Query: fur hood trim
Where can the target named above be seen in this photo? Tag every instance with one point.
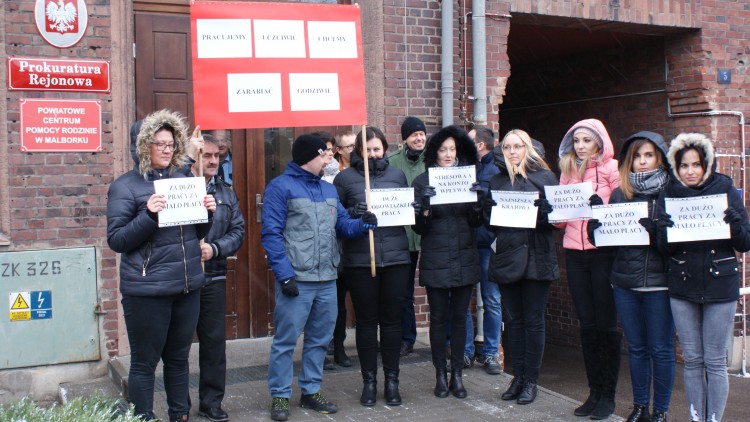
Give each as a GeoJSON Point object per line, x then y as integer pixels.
{"type": "Point", "coordinates": [466, 150]}
{"type": "Point", "coordinates": [151, 124]}
{"type": "Point", "coordinates": [687, 140]}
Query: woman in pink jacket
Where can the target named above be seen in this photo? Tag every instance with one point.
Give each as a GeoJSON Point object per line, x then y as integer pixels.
{"type": "Point", "coordinates": [586, 155]}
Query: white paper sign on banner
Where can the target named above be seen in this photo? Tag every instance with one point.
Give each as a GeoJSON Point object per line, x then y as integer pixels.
{"type": "Point", "coordinates": [452, 184]}
{"type": "Point", "coordinates": [697, 218]}
{"type": "Point", "coordinates": [514, 209]}
{"type": "Point", "coordinates": [184, 201]}
{"type": "Point", "coordinates": [620, 226]}
{"type": "Point", "coordinates": [392, 206]}
{"type": "Point", "coordinates": [569, 202]}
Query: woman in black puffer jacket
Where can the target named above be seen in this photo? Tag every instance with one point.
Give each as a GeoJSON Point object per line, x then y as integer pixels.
{"type": "Point", "coordinates": [160, 268]}
{"type": "Point", "coordinates": [525, 261]}
{"type": "Point", "coordinates": [377, 300]}
{"type": "Point", "coordinates": [703, 276]}
{"type": "Point", "coordinates": [639, 280]}
{"type": "Point", "coordinates": [449, 262]}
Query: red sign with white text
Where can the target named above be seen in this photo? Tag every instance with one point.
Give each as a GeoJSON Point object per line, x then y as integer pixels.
{"type": "Point", "coordinates": [29, 74]}
{"type": "Point", "coordinates": [259, 65]}
{"type": "Point", "coordinates": [61, 125]}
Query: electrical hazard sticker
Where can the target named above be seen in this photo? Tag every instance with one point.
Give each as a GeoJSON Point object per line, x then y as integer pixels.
{"type": "Point", "coordinates": [19, 306]}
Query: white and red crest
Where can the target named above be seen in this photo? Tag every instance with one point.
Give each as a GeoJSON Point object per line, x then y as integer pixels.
{"type": "Point", "coordinates": [61, 23]}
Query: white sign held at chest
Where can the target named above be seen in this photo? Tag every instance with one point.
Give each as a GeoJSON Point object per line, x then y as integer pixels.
{"type": "Point", "coordinates": [514, 209]}
{"type": "Point", "coordinates": [184, 201]}
{"type": "Point", "coordinates": [452, 184]}
{"type": "Point", "coordinates": [392, 206]}
{"type": "Point", "coordinates": [697, 218]}
{"type": "Point", "coordinates": [569, 202]}
{"type": "Point", "coordinates": [620, 224]}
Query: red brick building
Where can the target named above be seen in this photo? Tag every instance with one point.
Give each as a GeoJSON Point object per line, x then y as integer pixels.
{"type": "Point", "coordinates": [634, 64]}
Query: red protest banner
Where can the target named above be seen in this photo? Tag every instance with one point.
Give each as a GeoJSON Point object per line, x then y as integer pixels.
{"type": "Point", "coordinates": [258, 65]}
{"type": "Point", "coordinates": [61, 125]}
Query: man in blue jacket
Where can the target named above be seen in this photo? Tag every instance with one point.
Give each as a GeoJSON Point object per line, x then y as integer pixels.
{"type": "Point", "coordinates": [484, 138]}
{"type": "Point", "coordinates": [301, 217]}
{"type": "Point", "coordinates": [224, 239]}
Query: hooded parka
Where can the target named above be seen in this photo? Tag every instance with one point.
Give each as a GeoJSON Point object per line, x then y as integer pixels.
{"type": "Point", "coordinates": [449, 247]}
{"type": "Point", "coordinates": [154, 261]}
{"type": "Point", "coordinates": [539, 241]}
{"type": "Point", "coordinates": [704, 271]}
{"type": "Point", "coordinates": [639, 266]}
{"type": "Point", "coordinates": [391, 244]}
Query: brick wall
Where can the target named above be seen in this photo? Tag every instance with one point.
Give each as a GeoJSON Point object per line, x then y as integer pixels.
{"type": "Point", "coordinates": [58, 200]}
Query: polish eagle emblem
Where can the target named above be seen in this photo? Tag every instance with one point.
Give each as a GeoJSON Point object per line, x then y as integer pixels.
{"type": "Point", "coordinates": [61, 16]}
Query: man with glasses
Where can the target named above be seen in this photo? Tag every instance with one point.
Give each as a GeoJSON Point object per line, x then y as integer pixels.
{"type": "Point", "coordinates": [344, 147]}
{"type": "Point", "coordinates": [492, 320]}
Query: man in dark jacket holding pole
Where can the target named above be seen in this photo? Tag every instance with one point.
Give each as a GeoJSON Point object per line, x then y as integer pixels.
{"type": "Point", "coordinates": [224, 239]}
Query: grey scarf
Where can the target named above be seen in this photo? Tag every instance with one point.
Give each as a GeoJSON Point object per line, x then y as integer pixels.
{"type": "Point", "coordinates": [649, 182]}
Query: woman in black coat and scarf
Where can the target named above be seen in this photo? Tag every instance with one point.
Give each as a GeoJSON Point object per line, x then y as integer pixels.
{"type": "Point", "coordinates": [377, 300]}
{"type": "Point", "coordinates": [525, 261]}
{"type": "Point", "coordinates": [449, 263]}
{"type": "Point", "coordinates": [703, 276]}
{"type": "Point", "coordinates": [160, 267]}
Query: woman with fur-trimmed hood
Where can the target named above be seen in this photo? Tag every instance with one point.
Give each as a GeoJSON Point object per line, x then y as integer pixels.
{"type": "Point", "coordinates": [703, 276]}
{"type": "Point", "coordinates": [449, 262]}
{"type": "Point", "coordinates": [160, 268]}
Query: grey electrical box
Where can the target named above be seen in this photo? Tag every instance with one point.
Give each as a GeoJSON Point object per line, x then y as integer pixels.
{"type": "Point", "coordinates": [50, 313]}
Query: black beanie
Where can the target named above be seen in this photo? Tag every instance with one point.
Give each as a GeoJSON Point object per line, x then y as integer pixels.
{"type": "Point", "coordinates": [306, 147]}
{"type": "Point", "coordinates": [411, 125]}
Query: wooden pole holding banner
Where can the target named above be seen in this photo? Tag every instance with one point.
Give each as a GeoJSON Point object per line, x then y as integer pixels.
{"type": "Point", "coordinates": [367, 196]}
{"type": "Point", "coordinates": [197, 135]}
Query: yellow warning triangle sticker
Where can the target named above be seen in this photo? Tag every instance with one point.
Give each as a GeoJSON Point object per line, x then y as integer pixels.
{"type": "Point", "coordinates": [20, 303]}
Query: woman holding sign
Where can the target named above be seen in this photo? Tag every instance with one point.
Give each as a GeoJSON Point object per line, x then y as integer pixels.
{"type": "Point", "coordinates": [449, 266]}
{"type": "Point", "coordinates": [525, 262]}
{"type": "Point", "coordinates": [703, 275]}
{"type": "Point", "coordinates": [639, 280]}
{"type": "Point", "coordinates": [160, 268]}
{"type": "Point", "coordinates": [377, 300]}
{"type": "Point", "coordinates": [586, 155]}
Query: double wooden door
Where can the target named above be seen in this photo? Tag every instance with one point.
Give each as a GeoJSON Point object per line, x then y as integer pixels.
{"type": "Point", "coordinates": [163, 79]}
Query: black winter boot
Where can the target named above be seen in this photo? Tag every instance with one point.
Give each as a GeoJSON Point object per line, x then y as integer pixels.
{"type": "Point", "coordinates": [639, 413]}
{"type": "Point", "coordinates": [369, 388]}
{"type": "Point", "coordinates": [513, 390]}
{"type": "Point", "coordinates": [659, 416]}
{"type": "Point", "coordinates": [441, 384]}
{"type": "Point", "coordinates": [610, 361]}
{"type": "Point", "coordinates": [457, 384]}
{"type": "Point", "coordinates": [392, 396]}
{"type": "Point", "coordinates": [592, 361]}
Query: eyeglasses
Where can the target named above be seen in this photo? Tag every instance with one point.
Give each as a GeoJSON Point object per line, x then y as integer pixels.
{"type": "Point", "coordinates": [161, 146]}
{"type": "Point", "coordinates": [509, 148]}
{"type": "Point", "coordinates": [349, 147]}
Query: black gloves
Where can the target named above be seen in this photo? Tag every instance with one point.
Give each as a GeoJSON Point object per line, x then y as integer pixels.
{"type": "Point", "coordinates": [289, 287]}
{"type": "Point", "coordinates": [733, 218]}
{"type": "Point", "coordinates": [357, 210]}
{"type": "Point", "coordinates": [476, 187]}
{"type": "Point", "coordinates": [369, 220]}
{"type": "Point", "coordinates": [487, 205]}
{"type": "Point", "coordinates": [592, 225]}
{"type": "Point", "coordinates": [664, 221]}
{"type": "Point", "coordinates": [595, 200]}
{"type": "Point", "coordinates": [543, 205]}
{"type": "Point", "coordinates": [649, 225]}
{"type": "Point", "coordinates": [429, 192]}
{"type": "Point", "coordinates": [417, 207]}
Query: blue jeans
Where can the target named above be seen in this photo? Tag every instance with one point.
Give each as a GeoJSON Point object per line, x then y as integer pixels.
{"type": "Point", "coordinates": [704, 330]}
{"type": "Point", "coordinates": [493, 315]}
{"type": "Point", "coordinates": [314, 312]}
{"type": "Point", "coordinates": [408, 319]}
{"type": "Point", "coordinates": [160, 327]}
{"type": "Point", "coordinates": [647, 321]}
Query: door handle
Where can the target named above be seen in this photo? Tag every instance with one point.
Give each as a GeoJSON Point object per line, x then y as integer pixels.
{"type": "Point", "coordinates": [258, 207]}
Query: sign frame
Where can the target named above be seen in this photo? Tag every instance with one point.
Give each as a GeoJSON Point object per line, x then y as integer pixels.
{"type": "Point", "coordinates": [25, 138]}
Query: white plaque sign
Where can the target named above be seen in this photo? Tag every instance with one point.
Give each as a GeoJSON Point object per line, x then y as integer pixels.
{"type": "Point", "coordinates": [697, 218]}
{"type": "Point", "coordinates": [514, 209]}
{"type": "Point", "coordinates": [392, 206]}
{"type": "Point", "coordinates": [452, 184]}
{"type": "Point", "coordinates": [620, 224]}
{"type": "Point", "coordinates": [184, 197]}
{"type": "Point", "coordinates": [569, 202]}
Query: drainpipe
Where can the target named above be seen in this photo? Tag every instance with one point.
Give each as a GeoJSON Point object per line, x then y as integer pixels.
{"type": "Point", "coordinates": [446, 61]}
{"type": "Point", "coordinates": [479, 61]}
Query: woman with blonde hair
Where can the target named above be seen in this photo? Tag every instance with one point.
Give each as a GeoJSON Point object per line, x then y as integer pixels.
{"type": "Point", "coordinates": [586, 155]}
{"type": "Point", "coordinates": [525, 262]}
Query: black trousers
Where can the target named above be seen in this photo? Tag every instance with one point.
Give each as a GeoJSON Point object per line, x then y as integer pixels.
{"type": "Point", "coordinates": [339, 330]}
{"type": "Point", "coordinates": [377, 302]}
{"type": "Point", "coordinates": [212, 357]}
{"type": "Point", "coordinates": [448, 307]}
{"type": "Point", "coordinates": [590, 288]}
{"type": "Point", "coordinates": [524, 303]}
